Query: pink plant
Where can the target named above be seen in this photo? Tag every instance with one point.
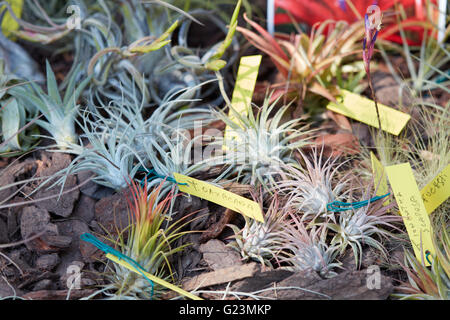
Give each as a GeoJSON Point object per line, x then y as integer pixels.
{"type": "Point", "coordinates": [310, 189]}
{"type": "Point", "coordinates": [307, 249]}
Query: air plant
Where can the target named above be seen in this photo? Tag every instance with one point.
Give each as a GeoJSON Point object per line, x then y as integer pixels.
{"type": "Point", "coordinates": [108, 154]}
{"type": "Point", "coordinates": [310, 189]}
{"type": "Point", "coordinates": [187, 64]}
{"type": "Point", "coordinates": [259, 146]}
{"type": "Point", "coordinates": [36, 32]}
{"type": "Point", "coordinates": [358, 227]}
{"type": "Point", "coordinates": [429, 151]}
{"type": "Point", "coordinates": [424, 283]}
{"type": "Point", "coordinates": [161, 142]}
{"type": "Point", "coordinates": [112, 58]}
{"type": "Point", "coordinates": [261, 241]}
{"type": "Point", "coordinates": [304, 249]}
{"type": "Point", "coordinates": [308, 63]}
{"type": "Point", "coordinates": [60, 113]}
{"type": "Point", "coordinates": [171, 152]}
{"type": "Point", "coordinates": [211, 60]}
{"type": "Point", "coordinates": [149, 244]}
{"type": "Point", "coordinates": [13, 115]}
{"type": "Point", "coordinates": [126, 114]}
{"type": "Point", "coordinates": [429, 148]}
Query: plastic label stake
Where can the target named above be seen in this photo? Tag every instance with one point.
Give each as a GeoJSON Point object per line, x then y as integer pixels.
{"type": "Point", "coordinates": [153, 278]}
{"type": "Point", "coordinates": [243, 92]}
{"type": "Point", "coordinates": [380, 179]}
{"type": "Point", "coordinates": [362, 109]}
{"type": "Point", "coordinates": [8, 23]}
{"type": "Point", "coordinates": [219, 196]}
{"type": "Point", "coordinates": [412, 209]}
{"type": "Point", "coordinates": [437, 191]}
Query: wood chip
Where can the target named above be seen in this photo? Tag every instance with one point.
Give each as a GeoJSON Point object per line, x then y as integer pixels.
{"type": "Point", "coordinates": [341, 121]}
{"type": "Point", "coordinates": [57, 294]}
{"type": "Point", "coordinates": [337, 144]}
{"type": "Point", "coordinates": [219, 256]}
{"type": "Point", "coordinates": [237, 188]}
{"type": "Point", "coordinates": [216, 229]}
{"type": "Point", "coordinates": [221, 276]}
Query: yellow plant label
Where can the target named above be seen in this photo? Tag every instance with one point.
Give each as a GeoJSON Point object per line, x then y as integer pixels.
{"type": "Point", "coordinates": [412, 209]}
{"type": "Point", "coordinates": [153, 278]}
{"type": "Point", "coordinates": [379, 174]}
{"type": "Point", "coordinates": [362, 109]}
{"type": "Point", "coordinates": [8, 23]}
{"type": "Point", "coordinates": [243, 89]}
{"type": "Point", "coordinates": [219, 196]}
{"type": "Point", "coordinates": [437, 191]}
{"type": "Point", "coordinates": [380, 179]}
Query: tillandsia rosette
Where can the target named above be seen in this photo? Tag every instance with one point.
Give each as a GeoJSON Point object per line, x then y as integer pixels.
{"type": "Point", "coordinates": [308, 64]}
{"type": "Point", "coordinates": [309, 189]}
{"type": "Point", "coordinates": [367, 225]}
{"type": "Point", "coordinates": [257, 147]}
{"type": "Point", "coordinates": [122, 143]}
{"type": "Point", "coordinates": [107, 153]}
{"type": "Point", "coordinates": [169, 154]}
{"type": "Point", "coordinates": [59, 112]}
{"type": "Point", "coordinates": [16, 138]}
{"type": "Point", "coordinates": [169, 117]}
{"type": "Point", "coordinates": [261, 241]}
{"type": "Point", "coordinates": [429, 154]}
{"type": "Point", "coordinates": [187, 65]}
{"type": "Point", "coordinates": [429, 149]}
{"type": "Point", "coordinates": [150, 243]}
{"type": "Point", "coordinates": [306, 248]}
{"type": "Point", "coordinates": [142, 55]}
{"type": "Point", "coordinates": [428, 283]}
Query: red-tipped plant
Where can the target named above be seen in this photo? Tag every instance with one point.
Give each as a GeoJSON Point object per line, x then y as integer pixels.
{"type": "Point", "coordinates": [307, 63]}
{"type": "Point", "coordinates": [151, 242]}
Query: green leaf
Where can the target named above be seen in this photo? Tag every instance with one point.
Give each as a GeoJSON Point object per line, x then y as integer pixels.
{"type": "Point", "coordinates": [52, 85]}
{"type": "Point", "coordinates": [11, 123]}
{"type": "Point", "coordinates": [158, 43]}
{"type": "Point", "coordinates": [216, 65]}
{"type": "Point", "coordinates": [228, 39]}
{"type": "Point", "coordinates": [71, 84]}
{"type": "Point", "coordinates": [72, 99]}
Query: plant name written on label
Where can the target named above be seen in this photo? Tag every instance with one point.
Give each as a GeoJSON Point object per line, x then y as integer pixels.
{"type": "Point", "coordinates": [437, 191]}
{"type": "Point", "coordinates": [412, 209]}
{"type": "Point", "coordinates": [219, 196]}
